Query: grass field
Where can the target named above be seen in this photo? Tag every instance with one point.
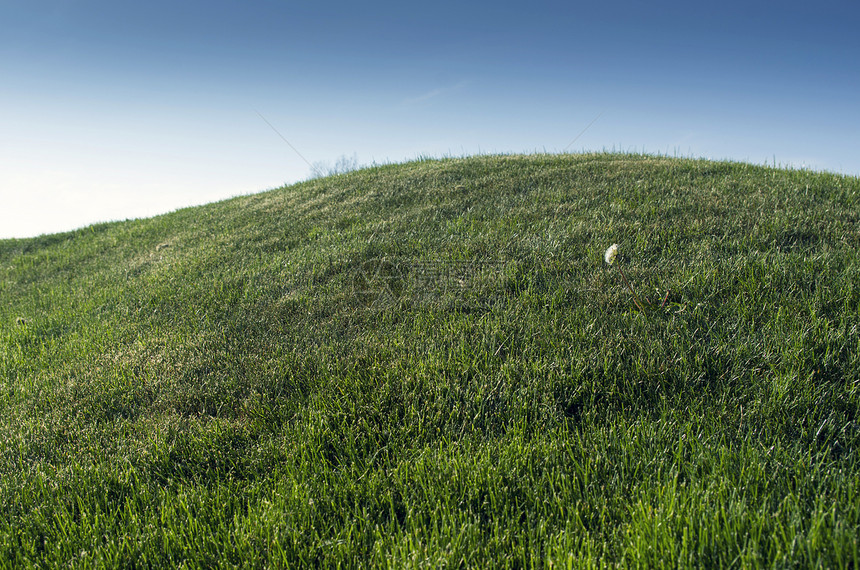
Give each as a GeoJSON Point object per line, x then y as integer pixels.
{"type": "Point", "coordinates": [432, 365]}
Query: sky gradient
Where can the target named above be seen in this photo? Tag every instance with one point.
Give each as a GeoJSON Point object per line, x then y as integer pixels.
{"type": "Point", "coordinates": [113, 110]}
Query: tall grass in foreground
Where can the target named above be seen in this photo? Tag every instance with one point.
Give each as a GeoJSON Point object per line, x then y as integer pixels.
{"type": "Point", "coordinates": [431, 364]}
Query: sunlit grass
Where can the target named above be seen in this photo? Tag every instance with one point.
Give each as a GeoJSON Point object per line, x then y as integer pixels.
{"type": "Point", "coordinates": [432, 364]}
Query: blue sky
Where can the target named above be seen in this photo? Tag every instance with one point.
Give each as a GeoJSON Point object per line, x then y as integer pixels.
{"type": "Point", "coordinates": [117, 109]}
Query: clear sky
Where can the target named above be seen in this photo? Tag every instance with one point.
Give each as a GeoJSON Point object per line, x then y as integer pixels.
{"type": "Point", "coordinates": [117, 109]}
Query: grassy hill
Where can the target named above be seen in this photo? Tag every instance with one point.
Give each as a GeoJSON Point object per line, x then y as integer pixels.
{"type": "Point", "coordinates": [431, 364]}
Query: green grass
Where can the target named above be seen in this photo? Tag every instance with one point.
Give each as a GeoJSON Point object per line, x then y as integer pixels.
{"type": "Point", "coordinates": [430, 365]}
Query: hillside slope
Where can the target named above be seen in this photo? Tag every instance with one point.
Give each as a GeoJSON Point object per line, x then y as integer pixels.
{"type": "Point", "coordinates": [432, 363]}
